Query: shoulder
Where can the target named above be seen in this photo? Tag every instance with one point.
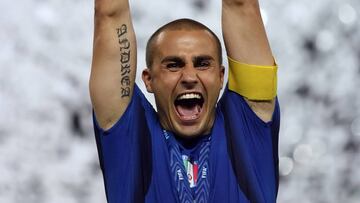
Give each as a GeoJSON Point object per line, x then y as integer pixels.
{"type": "Point", "coordinates": [137, 109]}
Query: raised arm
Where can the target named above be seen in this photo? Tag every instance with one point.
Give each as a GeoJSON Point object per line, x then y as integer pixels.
{"type": "Point", "coordinates": [246, 41]}
{"type": "Point", "coordinates": [113, 68]}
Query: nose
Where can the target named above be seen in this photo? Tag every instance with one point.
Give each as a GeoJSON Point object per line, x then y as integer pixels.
{"type": "Point", "coordinates": [189, 77]}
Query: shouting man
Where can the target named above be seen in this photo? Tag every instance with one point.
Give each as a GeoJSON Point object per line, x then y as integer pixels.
{"type": "Point", "coordinates": [193, 148]}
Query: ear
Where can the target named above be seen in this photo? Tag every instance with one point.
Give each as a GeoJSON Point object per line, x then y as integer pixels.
{"type": "Point", "coordinates": [146, 77]}
{"type": "Point", "coordinates": [222, 73]}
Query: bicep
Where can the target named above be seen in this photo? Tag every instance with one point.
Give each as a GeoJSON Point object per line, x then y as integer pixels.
{"type": "Point", "coordinates": [113, 67]}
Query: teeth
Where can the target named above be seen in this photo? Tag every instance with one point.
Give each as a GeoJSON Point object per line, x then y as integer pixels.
{"type": "Point", "coordinates": [190, 96]}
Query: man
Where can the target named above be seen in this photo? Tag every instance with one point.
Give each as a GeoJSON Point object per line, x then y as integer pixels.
{"type": "Point", "coordinates": [192, 149]}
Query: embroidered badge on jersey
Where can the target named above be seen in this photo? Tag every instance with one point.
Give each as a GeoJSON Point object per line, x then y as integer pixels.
{"type": "Point", "coordinates": [184, 168]}
{"type": "Point", "coordinates": [191, 168]}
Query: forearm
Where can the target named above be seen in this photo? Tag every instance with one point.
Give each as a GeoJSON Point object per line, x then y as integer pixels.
{"type": "Point", "coordinates": [241, 3]}
{"type": "Point", "coordinates": [113, 31]}
{"type": "Point", "coordinates": [244, 33]}
{"type": "Point", "coordinates": [110, 8]}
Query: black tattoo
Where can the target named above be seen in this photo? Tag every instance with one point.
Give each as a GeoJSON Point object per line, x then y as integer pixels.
{"type": "Point", "coordinates": [125, 92]}
{"type": "Point", "coordinates": [125, 81]}
{"type": "Point", "coordinates": [125, 57]}
{"type": "Point", "coordinates": [124, 60]}
{"type": "Point", "coordinates": [121, 30]}
{"type": "Point", "coordinates": [124, 44]}
{"type": "Point", "coordinates": [125, 72]}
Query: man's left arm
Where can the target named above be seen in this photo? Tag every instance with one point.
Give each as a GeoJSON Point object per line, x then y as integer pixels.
{"type": "Point", "coordinates": [246, 42]}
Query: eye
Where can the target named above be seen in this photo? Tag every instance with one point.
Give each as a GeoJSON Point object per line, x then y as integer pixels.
{"type": "Point", "coordinates": [173, 66]}
{"type": "Point", "coordinates": [203, 64]}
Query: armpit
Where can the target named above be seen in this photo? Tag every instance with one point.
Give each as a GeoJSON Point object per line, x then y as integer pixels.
{"type": "Point", "coordinates": [263, 109]}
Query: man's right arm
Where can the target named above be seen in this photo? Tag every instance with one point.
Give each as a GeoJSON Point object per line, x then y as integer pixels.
{"type": "Point", "coordinates": [113, 67]}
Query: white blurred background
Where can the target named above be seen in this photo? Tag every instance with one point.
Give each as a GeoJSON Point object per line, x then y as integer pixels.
{"type": "Point", "coordinates": [47, 146]}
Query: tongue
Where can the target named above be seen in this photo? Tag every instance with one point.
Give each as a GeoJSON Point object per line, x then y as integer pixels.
{"type": "Point", "coordinates": [188, 111]}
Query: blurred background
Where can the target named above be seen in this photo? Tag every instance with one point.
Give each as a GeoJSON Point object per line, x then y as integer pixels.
{"type": "Point", "coordinates": [47, 146]}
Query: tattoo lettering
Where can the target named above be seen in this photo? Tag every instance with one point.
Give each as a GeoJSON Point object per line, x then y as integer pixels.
{"type": "Point", "coordinates": [125, 57]}
{"type": "Point", "coordinates": [125, 72]}
{"type": "Point", "coordinates": [125, 81]}
{"type": "Point", "coordinates": [121, 30]}
{"type": "Point", "coordinates": [125, 67]}
{"type": "Point", "coordinates": [124, 44]}
{"type": "Point", "coordinates": [125, 92]}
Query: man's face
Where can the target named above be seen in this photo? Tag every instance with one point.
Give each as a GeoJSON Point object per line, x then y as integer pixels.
{"type": "Point", "coordinates": [186, 79]}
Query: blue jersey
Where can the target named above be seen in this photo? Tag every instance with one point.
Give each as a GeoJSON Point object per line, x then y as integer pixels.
{"type": "Point", "coordinates": [243, 156]}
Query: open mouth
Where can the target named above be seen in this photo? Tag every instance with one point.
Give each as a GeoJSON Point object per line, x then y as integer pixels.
{"type": "Point", "coordinates": [189, 106]}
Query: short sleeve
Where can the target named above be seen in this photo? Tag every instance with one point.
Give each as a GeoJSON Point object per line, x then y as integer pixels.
{"type": "Point", "coordinates": [125, 153]}
{"type": "Point", "coordinates": [252, 147]}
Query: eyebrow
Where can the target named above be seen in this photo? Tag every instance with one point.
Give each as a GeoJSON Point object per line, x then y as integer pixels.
{"type": "Point", "coordinates": [202, 58]}
{"type": "Point", "coordinates": [172, 59]}
{"type": "Point", "coordinates": [194, 59]}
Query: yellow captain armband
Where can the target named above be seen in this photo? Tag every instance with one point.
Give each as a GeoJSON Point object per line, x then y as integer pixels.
{"type": "Point", "coordinates": [252, 81]}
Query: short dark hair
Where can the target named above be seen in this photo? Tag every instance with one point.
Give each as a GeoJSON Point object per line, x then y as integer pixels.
{"type": "Point", "coordinates": [180, 24]}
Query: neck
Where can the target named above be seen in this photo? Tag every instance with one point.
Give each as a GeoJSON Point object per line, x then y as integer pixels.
{"type": "Point", "coordinates": [190, 142]}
